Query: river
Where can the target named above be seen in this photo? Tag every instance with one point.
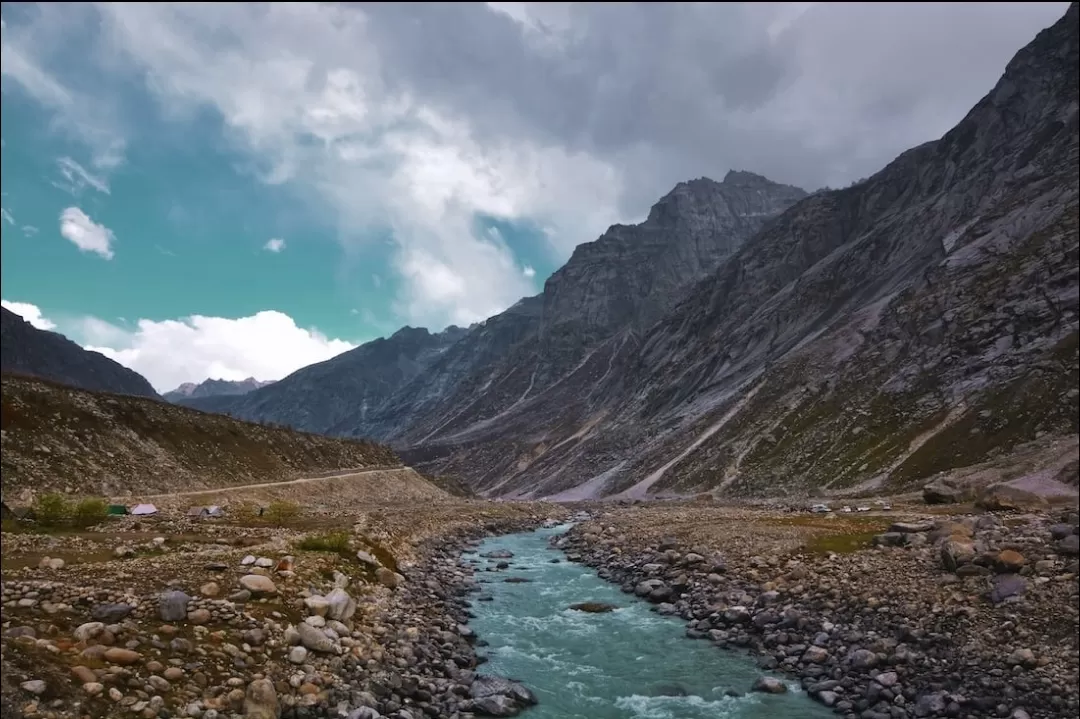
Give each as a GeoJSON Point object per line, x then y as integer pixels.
{"type": "Point", "coordinates": [630, 663]}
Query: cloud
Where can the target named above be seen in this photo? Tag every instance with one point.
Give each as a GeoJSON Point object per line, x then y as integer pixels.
{"type": "Point", "coordinates": [30, 313]}
{"type": "Point", "coordinates": [418, 119]}
{"type": "Point", "coordinates": [6, 216]}
{"type": "Point", "coordinates": [274, 245]}
{"type": "Point", "coordinates": [267, 345]}
{"type": "Point", "coordinates": [77, 178]}
{"type": "Point", "coordinates": [29, 230]}
{"type": "Point", "coordinates": [29, 44]}
{"type": "Point", "coordinates": [528, 271]}
{"type": "Point", "coordinates": [84, 233]}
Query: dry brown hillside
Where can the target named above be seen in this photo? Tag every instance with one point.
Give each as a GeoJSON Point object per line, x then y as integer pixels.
{"type": "Point", "coordinates": [59, 438]}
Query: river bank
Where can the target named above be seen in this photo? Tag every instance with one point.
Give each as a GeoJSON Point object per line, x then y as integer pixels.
{"type": "Point", "coordinates": [963, 617]}
{"type": "Point", "coordinates": [209, 631]}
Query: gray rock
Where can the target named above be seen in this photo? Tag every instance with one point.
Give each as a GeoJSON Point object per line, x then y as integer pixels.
{"type": "Point", "coordinates": [172, 606]}
{"type": "Point", "coordinates": [315, 639]}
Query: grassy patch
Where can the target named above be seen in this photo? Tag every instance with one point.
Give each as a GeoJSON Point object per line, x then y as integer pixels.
{"type": "Point", "coordinates": [840, 543]}
{"type": "Point", "coordinates": [338, 542]}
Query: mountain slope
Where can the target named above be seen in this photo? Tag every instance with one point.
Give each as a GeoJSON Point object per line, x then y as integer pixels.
{"type": "Point", "coordinates": [414, 387]}
{"type": "Point", "coordinates": [213, 388]}
{"type": "Point", "coordinates": [39, 353]}
{"type": "Point", "coordinates": [921, 320]}
{"type": "Point", "coordinates": [57, 437]}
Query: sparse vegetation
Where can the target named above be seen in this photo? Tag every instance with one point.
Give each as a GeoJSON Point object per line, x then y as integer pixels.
{"type": "Point", "coordinates": [281, 512]}
{"type": "Point", "coordinates": [90, 511]}
{"type": "Point", "coordinates": [52, 509]}
{"type": "Point", "coordinates": [331, 542]}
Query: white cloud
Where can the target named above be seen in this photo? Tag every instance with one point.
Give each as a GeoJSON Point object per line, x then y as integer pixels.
{"type": "Point", "coordinates": [7, 216]}
{"type": "Point", "coordinates": [30, 313]}
{"type": "Point", "coordinates": [303, 91]}
{"type": "Point", "coordinates": [275, 244]}
{"type": "Point", "coordinates": [84, 233]}
{"type": "Point", "coordinates": [29, 230]}
{"type": "Point", "coordinates": [77, 178]}
{"type": "Point", "coordinates": [528, 271]}
{"type": "Point", "coordinates": [267, 345]}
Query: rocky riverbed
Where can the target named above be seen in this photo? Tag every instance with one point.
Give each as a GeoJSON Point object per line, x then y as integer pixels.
{"type": "Point", "coordinates": [213, 631]}
{"type": "Point", "coordinates": [963, 616]}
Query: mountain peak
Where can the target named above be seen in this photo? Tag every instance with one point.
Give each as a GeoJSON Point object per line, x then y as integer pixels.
{"type": "Point", "coordinates": [745, 178]}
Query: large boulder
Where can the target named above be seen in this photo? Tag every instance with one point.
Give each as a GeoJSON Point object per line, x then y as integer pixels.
{"type": "Point", "coordinates": [341, 605]}
{"type": "Point", "coordinates": [487, 685]}
{"type": "Point", "coordinates": [172, 606]}
{"type": "Point", "coordinates": [1009, 497]}
{"type": "Point", "coordinates": [258, 584]}
{"type": "Point", "coordinates": [261, 701]}
{"type": "Point", "coordinates": [955, 552]}
{"type": "Point", "coordinates": [945, 491]}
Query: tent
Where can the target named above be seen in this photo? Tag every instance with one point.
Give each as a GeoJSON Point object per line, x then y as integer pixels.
{"type": "Point", "coordinates": [198, 512]}
{"type": "Point", "coordinates": [215, 511]}
{"type": "Point", "coordinates": [142, 510]}
{"type": "Point", "coordinates": [117, 510]}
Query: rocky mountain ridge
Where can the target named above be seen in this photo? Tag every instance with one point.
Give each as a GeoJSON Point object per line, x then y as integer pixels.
{"type": "Point", "coordinates": [213, 388]}
{"type": "Point", "coordinates": [49, 355]}
{"type": "Point", "coordinates": [922, 320]}
{"type": "Point", "coordinates": [416, 385]}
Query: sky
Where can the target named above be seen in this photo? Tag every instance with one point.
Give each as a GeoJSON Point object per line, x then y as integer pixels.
{"type": "Point", "coordinates": [233, 190]}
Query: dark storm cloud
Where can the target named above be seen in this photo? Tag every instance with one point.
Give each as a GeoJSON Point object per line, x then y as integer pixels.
{"type": "Point", "coordinates": [670, 91]}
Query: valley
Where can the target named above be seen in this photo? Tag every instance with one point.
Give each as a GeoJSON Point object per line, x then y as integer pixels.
{"type": "Point", "coordinates": [767, 453]}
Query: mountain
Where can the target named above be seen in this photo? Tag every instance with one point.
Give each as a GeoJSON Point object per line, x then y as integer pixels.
{"type": "Point", "coordinates": [752, 340]}
{"type": "Point", "coordinates": [60, 438]}
{"type": "Point", "coordinates": [415, 385]}
{"type": "Point", "coordinates": [923, 320]}
{"type": "Point", "coordinates": [39, 353]}
{"type": "Point", "coordinates": [213, 388]}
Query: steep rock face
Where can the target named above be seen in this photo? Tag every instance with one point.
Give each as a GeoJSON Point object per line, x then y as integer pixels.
{"type": "Point", "coordinates": [922, 320]}
{"type": "Point", "coordinates": [213, 388]}
{"type": "Point", "coordinates": [39, 353]}
{"type": "Point", "coordinates": [608, 291]}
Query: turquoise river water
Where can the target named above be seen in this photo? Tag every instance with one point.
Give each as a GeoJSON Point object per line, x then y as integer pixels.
{"type": "Point", "coordinates": [624, 664]}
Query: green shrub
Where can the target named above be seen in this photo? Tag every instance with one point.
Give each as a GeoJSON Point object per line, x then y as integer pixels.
{"type": "Point", "coordinates": [281, 512]}
{"type": "Point", "coordinates": [52, 509]}
{"type": "Point", "coordinates": [332, 542]}
{"type": "Point", "coordinates": [91, 511]}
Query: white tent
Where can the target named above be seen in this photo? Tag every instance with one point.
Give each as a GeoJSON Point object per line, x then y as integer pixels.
{"type": "Point", "coordinates": [215, 511]}
{"type": "Point", "coordinates": [143, 509]}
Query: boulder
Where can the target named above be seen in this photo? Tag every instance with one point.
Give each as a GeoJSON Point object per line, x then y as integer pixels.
{"type": "Point", "coordinates": [944, 491]}
{"type": "Point", "coordinates": [314, 639]}
{"type": "Point", "coordinates": [769, 685]}
{"type": "Point", "coordinates": [489, 685]}
{"type": "Point", "coordinates": [388, 578]}
{"type": "Point", "coordinates": [341, 605]}
{"type": "Point", "coordinates": [172, 606]}
{"type": "Point", "coordinates": [1009, 560]}
{"type": "Point", "coordinates": [955, 552]}
{"type": "Point", "coordinates": [258, 584]}
{"type": "Point", "coordinates": [261, 701]}
{"type": "Point", "coordinates": [1008, 497]}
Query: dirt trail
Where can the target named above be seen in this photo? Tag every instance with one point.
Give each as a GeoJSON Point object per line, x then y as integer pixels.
{"type": "Point", "coordinates": [266, 485]}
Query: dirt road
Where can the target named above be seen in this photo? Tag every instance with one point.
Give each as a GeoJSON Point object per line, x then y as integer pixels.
{"type": "Point", "coordinates": [264, 485]}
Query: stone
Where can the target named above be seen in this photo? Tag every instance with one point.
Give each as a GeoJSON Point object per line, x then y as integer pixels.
{"type": "Point", "coordinates": [944, 491]}
{"type": "Point", "coordinates": [199, 616]}
{"type": "Point", "coordinates": [955, 552]}
{"type": "Point", "coordinates": [1007, 497]}
{"type": "Point", "coordinates": [1069, 546]}
{"type": "Point", "coordinates": [210, 589]}
{"type": "Point", "coordinates": [1007, 587]}
{"type": "Point", "coordinates": [110, 613]}
{"type": "Point", "coordinates": [314, 639]}
{"type": "Point", "coordinates": [261, 700]}
{"type": "Point", "coordinates": [388, 578]}
{"type": "Point", "coordinates": [769, 685]}
{"type": "Point", "coordinates": [1009, 561]}
{"type": "Point", "coordinates": [258, 584]}
{"type": "Point", "coordinates": [298, 655]}
{"type": "Point", "coordinates": [317, 605]}
{"type": "Point", "coordinates": [172, 606]}
{"type": "Point", "coordinates": [368, 559]}
{"type": "Point", "coordinates": [498, 554]}
{"type": "Point", "coordinates": [89, 630]}
{"type": "Point", "coordinates": [121, 656]}
{"type": "Point", "coordinates": [593, 607]}
{"type": "Point", "coordinates": [487, 685]}
{"type": "Point", "coordinates": [34, 686]}
{"type": "Point", "coordinates": [341, 605]}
